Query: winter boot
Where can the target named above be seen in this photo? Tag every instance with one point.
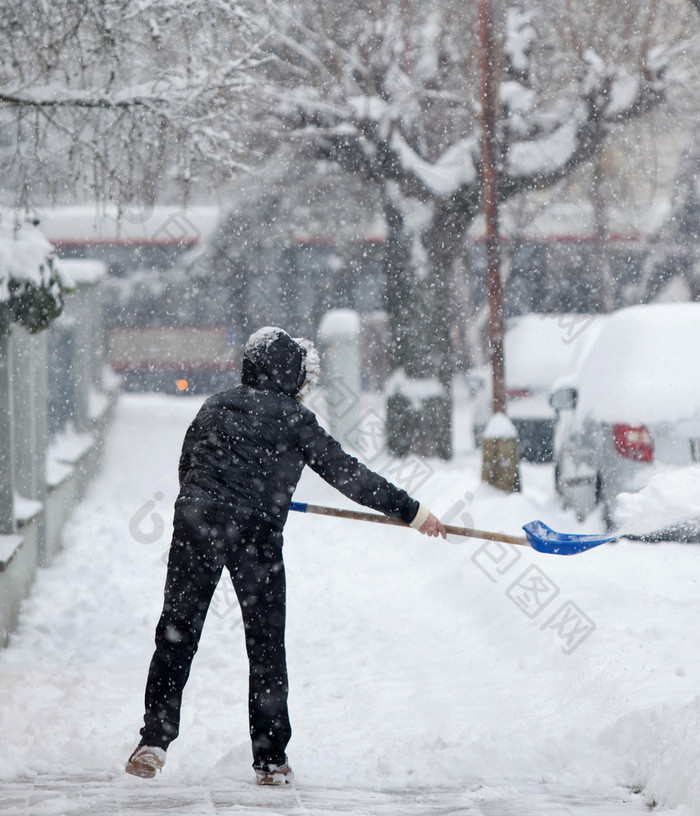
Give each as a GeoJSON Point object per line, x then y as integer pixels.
{"type": "Point", "coordinates": [274, 775]}
{"type": "Point", "coordinates": [145, 761]}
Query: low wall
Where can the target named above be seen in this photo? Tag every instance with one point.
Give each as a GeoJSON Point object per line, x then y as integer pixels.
{"type": "Point", "coordinates": [39, 528]}
{"type": "Point", "coordinates": [54, 412]}
{"type": "Point", "coordinates": [18, 564]}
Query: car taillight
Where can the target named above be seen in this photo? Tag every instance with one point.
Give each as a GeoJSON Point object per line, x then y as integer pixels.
{"type": "Point", "coordinates": [518, 393]}
{"type": "Point", "coordinates": [634, 442]}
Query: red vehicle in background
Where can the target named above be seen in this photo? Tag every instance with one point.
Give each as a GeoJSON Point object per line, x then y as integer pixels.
{"type": "Point", "coordinates": [169, 334]}
{"type": "Point", "coordinates": [163, 331]}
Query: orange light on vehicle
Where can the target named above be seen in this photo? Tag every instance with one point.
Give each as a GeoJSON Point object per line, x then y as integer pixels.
{"type": "Point", "coordinates": [182, 385]}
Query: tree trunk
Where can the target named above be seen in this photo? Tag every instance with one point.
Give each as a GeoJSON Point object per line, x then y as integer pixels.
{"type": "Point", "coordinates": [421, 313]}
{"type": "Point", "coordinates": [402, 293]}
{"type": "Point", "coordinates": [602, 245]}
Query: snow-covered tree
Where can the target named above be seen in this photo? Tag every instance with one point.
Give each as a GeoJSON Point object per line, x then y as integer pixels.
{"type": "Point", "coordinates": [389, 90]}
{"type": "Point", "coordinates": [270, 211]}
{"type": "Point", "coordinates": [673, 256]}
{"type": "Point", "coordinates": [110, 98]}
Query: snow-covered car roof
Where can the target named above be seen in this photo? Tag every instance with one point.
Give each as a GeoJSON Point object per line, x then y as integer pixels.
{"type": "Point", "coordinates": [541, 348]}
{"type": "Point", "coordinates": [643, 366]}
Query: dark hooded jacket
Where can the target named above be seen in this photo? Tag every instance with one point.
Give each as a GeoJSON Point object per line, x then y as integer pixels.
{"type": "Point", "coordinates": [247, 446]}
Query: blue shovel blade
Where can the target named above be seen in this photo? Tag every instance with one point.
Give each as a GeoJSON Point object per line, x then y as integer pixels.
{"type": "Point", "coordinates": [545, 540]}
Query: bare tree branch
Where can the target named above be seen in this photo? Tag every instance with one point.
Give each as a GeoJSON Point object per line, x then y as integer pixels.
{"type": "Point", "coordinates": [92, 93]}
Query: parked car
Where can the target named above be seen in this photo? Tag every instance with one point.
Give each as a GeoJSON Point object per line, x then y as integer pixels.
{"type": "Point", "coordinates": [631, 409]}
{"type": "Point", "coordinates": [538, 350]}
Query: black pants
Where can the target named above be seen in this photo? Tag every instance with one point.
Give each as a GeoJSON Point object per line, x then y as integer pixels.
{"type": "Point", "coordinates": [207, 537]}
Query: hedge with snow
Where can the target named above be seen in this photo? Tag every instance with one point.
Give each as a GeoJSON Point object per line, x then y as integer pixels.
{"type": "Point", "coordinates": [31, 287]}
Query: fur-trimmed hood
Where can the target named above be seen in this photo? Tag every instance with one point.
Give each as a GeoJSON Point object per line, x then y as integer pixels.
{"type": "Point", "coordinates": [274, 360]}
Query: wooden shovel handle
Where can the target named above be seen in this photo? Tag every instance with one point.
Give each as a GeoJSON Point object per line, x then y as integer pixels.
{"type": "Point", "coordinates": [359, 515]}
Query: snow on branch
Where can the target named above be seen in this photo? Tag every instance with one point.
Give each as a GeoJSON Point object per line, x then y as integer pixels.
{"type": "Point", "coordinates": [616, 93]}
{"type": "Point", "coordinates": [120, 94]}
{"type": "Point", "coordinates": [444, 177]}
{"type": "Point", "coordinates": [392, 96]}
{"type": "Point", "coordinates": [519, 41]}
{"type": "Point", "coordinates": [568, 134]}
{"type": "Point", "coordinates": [543, 156]}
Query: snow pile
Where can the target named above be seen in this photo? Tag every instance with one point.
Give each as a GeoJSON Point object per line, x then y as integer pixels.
{"type": "Point", "coordinates": [642, 367]}
{"type": "Point", "coordinates": [83, 270]}
{"type": "Point", "coordinates": [669, 500]}
{"type": "Point", "coordinates": [541, 348]}
{"type": "Point", "coordinates": [23, 255]}
{"type": "Point", "coordinates": [661, 748]}
{"type": "Point", "coordinates": [416, 665]}
{"type": "Point", "coordinates": [339, 324]}
{"type": "Point", "coordinates": [416, 390]}
{"type": "Point", "coordinates": [65, 450]}
{"type": "Point", "coordinates": [500, 427]}
{"type": "Point", "coordinates": [8, 546]}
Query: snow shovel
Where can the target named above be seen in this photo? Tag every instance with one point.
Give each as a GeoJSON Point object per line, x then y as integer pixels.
{"type": "Point", "coordinates": [537, 534]}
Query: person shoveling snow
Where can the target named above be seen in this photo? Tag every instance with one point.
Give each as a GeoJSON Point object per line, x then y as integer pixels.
{"type": "Point", "coordinates": [241, 460]}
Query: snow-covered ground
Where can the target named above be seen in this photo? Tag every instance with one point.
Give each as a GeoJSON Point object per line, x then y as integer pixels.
{"type": "Point", "coordinates": [426, 676]}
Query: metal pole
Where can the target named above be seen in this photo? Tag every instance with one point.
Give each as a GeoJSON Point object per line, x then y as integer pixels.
{"type": "Point", "coordinates": [490, 193]}
{"type": "Point", "coordinates": [500, 467]}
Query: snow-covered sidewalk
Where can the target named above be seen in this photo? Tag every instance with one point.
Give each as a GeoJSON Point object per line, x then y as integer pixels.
{"type": "Point", "coordinates": [426, 677]}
